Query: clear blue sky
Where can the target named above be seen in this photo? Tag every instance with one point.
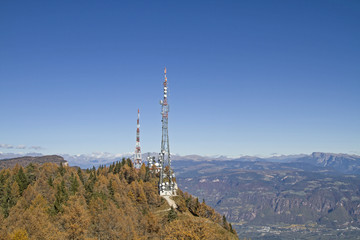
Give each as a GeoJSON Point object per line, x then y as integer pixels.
{"type": "Point", "coordinates": [245, 77]}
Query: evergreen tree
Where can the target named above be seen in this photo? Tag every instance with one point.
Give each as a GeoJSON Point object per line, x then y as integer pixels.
{"type": "Point", "coordinates": [21, 180]}
{"type": "Point", "coordinates": [129, 162]}
{"type": "Point", "coordinates": [111, 167]}
{"type": "Point", "coordinates": [51, 181]}
{"type": "Point", "coordinates": [147, 174]}
{"type": "Point", "coordinates": [111, 190]}
{"type": "Point", "coordinates": [74, 184]}
{"type": "Point", "coordinates": [117, 168]}
{"type": "Point", "coordinates": [7, 200]}
{"type": "Point", "coordinates": [30, 173]}
{"type": "Point", "coordinates": [61, 169]}
{"type": "Point", "coordinates": [172, 215]}
{"type": "Point", "coordinates": [61, 197]}
{"type": "Point", "coordinates": [89, 186]}
{"type": "Point", "coordinates": [225, 223]}
{"type": "Point", "coordinates": [81, 176]}
{"type": "Point", "coordinates": [231, 229]}
{"type": "Point", "coordinates": [2, 184]}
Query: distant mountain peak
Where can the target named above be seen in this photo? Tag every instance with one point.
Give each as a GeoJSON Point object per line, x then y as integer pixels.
{"type": "Point", "coordinates": [26, 160]}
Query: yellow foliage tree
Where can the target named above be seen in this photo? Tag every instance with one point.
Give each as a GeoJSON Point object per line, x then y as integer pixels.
{"type": "Point", "coordinates": [37, 222]}
{"type": "Point", "coordinates": [75, 219]}
{"type": "Point", "coordinates": [142, 172]}
{"type": "Point", "coordinates": [19, 234]}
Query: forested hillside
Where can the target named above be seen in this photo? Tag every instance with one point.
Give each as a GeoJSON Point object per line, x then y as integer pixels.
{"type": "Point", "coordinates": [117, 202]}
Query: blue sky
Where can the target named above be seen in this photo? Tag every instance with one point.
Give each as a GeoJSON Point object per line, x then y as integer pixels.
{"type": "Point", "coordinates": [245, 77]}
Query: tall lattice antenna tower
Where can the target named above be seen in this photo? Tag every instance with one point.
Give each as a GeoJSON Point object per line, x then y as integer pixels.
{"type": "Point", "coordinates": [137, 156]}
{"type": "Point", "coordinates": [167, 184]}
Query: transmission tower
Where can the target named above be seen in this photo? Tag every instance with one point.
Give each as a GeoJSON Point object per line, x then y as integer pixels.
{"type": "Point", "coordinates": [137, 156]}
{"type": "Point", "coordinates": [167, 184]}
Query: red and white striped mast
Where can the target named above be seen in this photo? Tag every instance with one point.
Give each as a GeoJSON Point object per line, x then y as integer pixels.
{"type": "Point", "coordinates": [137, 157]}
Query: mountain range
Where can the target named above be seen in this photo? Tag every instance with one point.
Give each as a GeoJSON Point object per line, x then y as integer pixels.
{"type": "Point", "coordinates": [345, 163]}
{"type": "Point", "coordinates": [314, 196]}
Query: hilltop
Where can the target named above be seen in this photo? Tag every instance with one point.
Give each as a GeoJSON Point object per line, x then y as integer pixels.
{"type": "Point", "coordinates": [52, 201]}
{"type": "Point", "coordinates": [26, 160]}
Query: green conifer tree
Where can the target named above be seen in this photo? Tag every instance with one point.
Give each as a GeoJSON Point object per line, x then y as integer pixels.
{"type": "Point", "coordinates": [172, 215]}
{"type": "Point", "coordinates": [225, 223]}
{"type": "Point", "coordinates": [61, 169]}
{"type": "Point", "coordinates": [111, 167]}
{"type": "Point", "coordinates": [81, 176]}
{"type": "Point", "coordinates": [74, 184]}
{"type": "Point", "coordinates": [7, 200]}
{"type": "Point", "coordinates": [51, 181]}
{"type": "Point", "coordinates": [30, 173]}
{"type": "Point", "coordinates": [21, 180]}
{"type": "Point", "coordinates": [61, 197]}
{"type": "Point", "coordinates": [111, 190]}
{"type": "Point", "coordinates": [129, 162]}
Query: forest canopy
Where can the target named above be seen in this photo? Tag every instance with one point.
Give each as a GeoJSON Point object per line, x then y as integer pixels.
{"type": "Point", "coordinates": [52, 201]}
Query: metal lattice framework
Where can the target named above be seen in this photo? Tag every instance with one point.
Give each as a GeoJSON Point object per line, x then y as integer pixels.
{"type": "Point", "coordinates": [167, 184]}
{"type": "Point", "coordinates": [137, 156]}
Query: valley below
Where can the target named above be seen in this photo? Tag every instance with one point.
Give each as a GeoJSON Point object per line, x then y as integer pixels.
{"type": "Point", "coordinates": [303, 198]}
